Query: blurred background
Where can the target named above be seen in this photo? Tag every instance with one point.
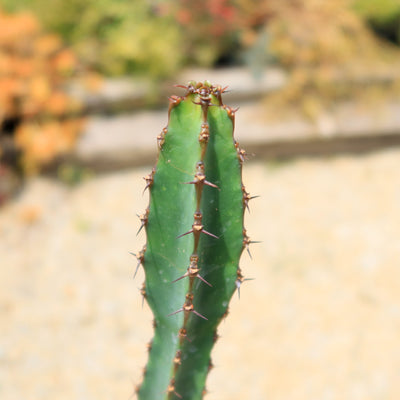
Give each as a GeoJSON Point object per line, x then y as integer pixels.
{"type": "Point", "coordinates": [83, 95]}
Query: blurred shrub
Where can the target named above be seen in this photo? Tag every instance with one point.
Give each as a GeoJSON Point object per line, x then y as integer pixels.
{"type": "Point", "coordinates": [35, 110]}
{"type": "Point", "coordinates": [210, 30]}
{"type": "Point", "coordinates": [321, 42]}
{"type": "Point", "coordinates": [327, 49]}
{"type": "Point", "coordinates": [382, 15]}
{"type": "Point", "coordinates": [144, 37]}
{"type": "Point", "coordinates": [115, 37]}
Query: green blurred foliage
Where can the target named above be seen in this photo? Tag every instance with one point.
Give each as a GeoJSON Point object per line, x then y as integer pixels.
{"type": "Point", "coordinates": [382, 15]}
{"type": "Point", "coordinates": [114, 36]}
{"type": "Point", "coordinates": [156, 38]}
{"type": "Point", "coordinates": [142, 37]}
{"type": "Point", "coordinates": [383, 11]}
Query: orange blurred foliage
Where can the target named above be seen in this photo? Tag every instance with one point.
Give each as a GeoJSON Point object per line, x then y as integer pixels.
{"type": "Point", "coordinates": [35, 68]}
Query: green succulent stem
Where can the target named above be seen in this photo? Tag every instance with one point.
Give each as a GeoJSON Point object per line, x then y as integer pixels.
{"type": "Point", "coordinates": [195, 237]}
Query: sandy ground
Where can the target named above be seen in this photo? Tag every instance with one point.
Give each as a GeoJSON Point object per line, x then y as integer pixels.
{"type": "Point", "coordinates": [320, 321]}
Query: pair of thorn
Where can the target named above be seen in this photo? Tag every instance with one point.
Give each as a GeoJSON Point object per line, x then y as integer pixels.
{"type": "Point", "coordinates": [161, 137]}
{"type": "Point", "coordinates": [171, 389]}
{"type": "Point", "coordinates": [200, 177]}
{"type": "Point", "coordinates": [197, 228]}
{"type": "Point", "coordinates": [240, 279]}
{"type": "Point", "coordinates": [190, 88]}
{"type": "Point", "coordinates": [247, 242]}
{"type": "Point", "coordinates": [175, 99]}
{"type": "Point", "coordinates": [231, 111]}
{"type": "Point", "coordinates": [193, 271]}
{"type": "Point", "coordinates": [143, 219]}
{"type": "Point", "coordinates": [188, 307]}
{"type": "Point", "coordinates": [247, 198]}
{"type": "Point", "coordinates": [140, 257]}
{"type": "Point", "coordinates": [149, 179]}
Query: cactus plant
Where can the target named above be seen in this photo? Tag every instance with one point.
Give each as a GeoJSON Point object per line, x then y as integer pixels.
{"type": "Point", "coordinates": [195, 237]}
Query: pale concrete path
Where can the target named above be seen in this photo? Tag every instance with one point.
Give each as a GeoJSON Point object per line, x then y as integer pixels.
{"type": "Point", "coordinates": [320, 321]}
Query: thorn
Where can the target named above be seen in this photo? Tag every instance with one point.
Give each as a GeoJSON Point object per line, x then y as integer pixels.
{"type": "Point", "coordinates": [217, 90]}
{"type": "Point", "coordinates": [184, 234]}
{"type": "Point", "coordinates": [203, 280]}
{"type": "Point", "coordinates": [238, 284]}
{"type": "Point", "coordinates": [140, 258]}
{"type": "Point", "coordinates": [143, 218]}
{"type": "Point", "coordinates": [161, 137]}
{"type": "Point", "coordinates": [240, 279]}
{"type": "Point", "coordinates": [248, 250]}
{"type": "Point", "coordinates": [182, 86]}
{"type": "Point", "coordinates": [181, 277]}
{"type": "Point", "coordinates": [171, 389]}
{"type": "Point", "coordinates": [209, 234]}
{"type": "Point", "coordinates": [199, 315]}
{"type": "Point", "coordinates": [211, 184]}
{"type": "Point", "coordinates": [138, 264]}
{"type": "Point", "coordinates": [190, 87]}
{"type": "Point", "coordinates": [247, 201]}
{"type": "Point", "coordinates": [175, 312]}
{"type": "Point", "coordinates": [247, 242]}
{"type": "Point", "coordinates": [142, 224]}
{"type": "Point", "coordinates": [242, 155]}
{"type": "Point", "coordinates": [149, 179]}
{"type": "Point", "coordinates": [241, 152]}
{"type": "Point", "coordinates": [247, 198]}
{"type": "Point", "coordinates": [175, 99]}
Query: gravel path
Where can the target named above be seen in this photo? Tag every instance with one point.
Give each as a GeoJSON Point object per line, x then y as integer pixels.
{"type": "Point", "coordinates": [320, 321]}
